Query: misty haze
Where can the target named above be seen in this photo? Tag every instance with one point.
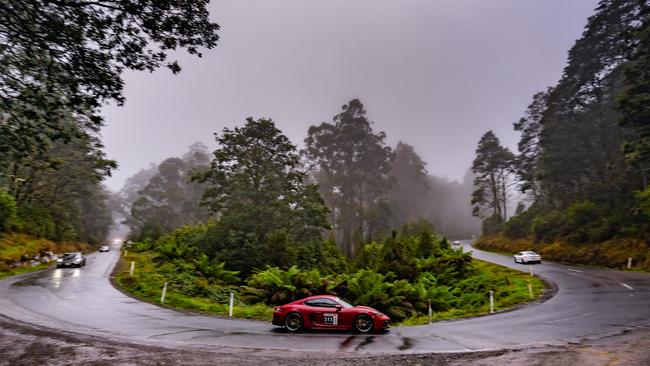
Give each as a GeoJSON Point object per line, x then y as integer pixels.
{"type": "Point", "coordinates": [327, 182]}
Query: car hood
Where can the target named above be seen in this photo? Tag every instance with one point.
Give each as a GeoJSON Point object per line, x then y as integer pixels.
{"type": "Point", "coordinates": [366, 308]}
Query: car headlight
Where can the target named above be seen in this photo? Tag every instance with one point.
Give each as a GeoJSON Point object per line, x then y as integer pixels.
{"type": "Point", "coordinates": [59, 260]}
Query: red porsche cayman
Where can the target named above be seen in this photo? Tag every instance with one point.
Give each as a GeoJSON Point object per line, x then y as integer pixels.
{"type": "Point", "coordinates": [328, 312]}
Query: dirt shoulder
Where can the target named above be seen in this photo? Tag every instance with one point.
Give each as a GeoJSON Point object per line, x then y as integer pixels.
{"type": "Point", "coordinates": [23, 344]}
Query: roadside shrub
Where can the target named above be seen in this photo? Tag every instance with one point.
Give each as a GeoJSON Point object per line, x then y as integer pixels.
{"type": "Point", "coordinates": [276, 286]}
{"type": "Point", "coordinates": [548, 226]}
{"type": "Point", "coordinates": [520, 226]}
{"type": "Point", "coordinates": [142, 246]}
{"type": "Point", "coordinates": [584, 222]}
{"type": "Point", "coordinates": [492, 224]}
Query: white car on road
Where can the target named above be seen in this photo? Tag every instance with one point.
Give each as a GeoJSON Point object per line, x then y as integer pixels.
{"type": "Point", "coordinates": [527, 257]}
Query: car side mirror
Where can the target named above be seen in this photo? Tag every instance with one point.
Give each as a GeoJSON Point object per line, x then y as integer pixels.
{"type": "Point", "coordinates": [338, 307]}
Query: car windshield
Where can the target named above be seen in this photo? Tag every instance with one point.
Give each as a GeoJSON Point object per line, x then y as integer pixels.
{"type": "Point", "coordinates": [344, 303]}
{"type": "Point", "coordinates": [70, 255]}
{"type": "Point", "coordinates": [530, 253]}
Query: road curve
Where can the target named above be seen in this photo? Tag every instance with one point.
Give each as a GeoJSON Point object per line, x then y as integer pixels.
{"type": "Point", "coordinates": [590, 303]}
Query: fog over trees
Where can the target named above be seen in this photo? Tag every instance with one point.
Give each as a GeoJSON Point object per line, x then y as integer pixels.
{"type": "Point", "coordinates": [368, 188]}
{"type": "Point", "coordinates": [583, 151]}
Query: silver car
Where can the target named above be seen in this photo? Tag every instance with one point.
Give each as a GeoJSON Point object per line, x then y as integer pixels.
{"type": "Point", "coordinates": [74, 259]}
{"type": "Point", "coordinates": [527, 257]}
{"type": "Point", "coordinates": [104, 248]}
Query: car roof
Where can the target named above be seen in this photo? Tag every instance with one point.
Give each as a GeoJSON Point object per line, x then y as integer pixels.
{"type": "Point", "coordinates": [529, 251]}
{"type": "Point", "coordinates": [318, 297]}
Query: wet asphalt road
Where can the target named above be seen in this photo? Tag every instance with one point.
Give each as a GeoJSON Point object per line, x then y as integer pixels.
{"type": "Point", "coordinates": [590, 303]}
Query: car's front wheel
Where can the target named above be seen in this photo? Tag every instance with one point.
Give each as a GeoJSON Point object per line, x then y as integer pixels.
{"type": "Point", "coordinates": [363, 323]}
{"type": "Point", "coordinates": [293, 322]}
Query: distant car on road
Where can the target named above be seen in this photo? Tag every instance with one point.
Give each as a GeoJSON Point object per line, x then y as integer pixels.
{"type": "Point", "coordinates": [328, 312]}
{"type": "Point", "coordinates": [456, 242]}
{"type": "Point", "coordinates": [527, 257]}
{"type": "Point", "coordinates": [74, 259]}
{"type": "Point", "coordinates": [104, 248]}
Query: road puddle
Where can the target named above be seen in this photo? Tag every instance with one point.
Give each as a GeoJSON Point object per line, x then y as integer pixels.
{"type": "Point", "coordinates": [365, 342]}
{"type": "Point", "coordinates": [346, 342]}
{"type": "Point", "coordinates": [407, 343]}
{"type": "Point", "coordinates": [50, 279]}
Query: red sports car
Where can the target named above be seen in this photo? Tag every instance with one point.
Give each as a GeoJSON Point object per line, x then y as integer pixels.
{"type": "Point", "coordinates": [328, 312]}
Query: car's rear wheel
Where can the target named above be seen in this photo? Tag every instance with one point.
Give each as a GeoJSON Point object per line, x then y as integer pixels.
{"type": "Point", "coordinates": [363, 323]}
{"type": "Point", "coordinates": [293, 322]}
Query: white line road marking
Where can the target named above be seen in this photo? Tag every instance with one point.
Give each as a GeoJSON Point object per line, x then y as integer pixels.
{"type": "Point", "coordinates": [626, 286]}
{"type": "Point", "coordinates": [574, 270]}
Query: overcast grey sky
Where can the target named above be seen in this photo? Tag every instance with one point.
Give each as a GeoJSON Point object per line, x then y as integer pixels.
{"type": "Point", "coordinates": [435, 74]}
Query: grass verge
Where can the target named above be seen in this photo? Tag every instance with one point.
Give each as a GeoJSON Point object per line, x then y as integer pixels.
{"type": "Point", "coordinates": [146, 284]}
{"type": "Point", "coordinates": [512, 292]}
{"type": "Point", "coordinates": [612, 253]}
{"type": "Point", "coordinates": [21, 270]}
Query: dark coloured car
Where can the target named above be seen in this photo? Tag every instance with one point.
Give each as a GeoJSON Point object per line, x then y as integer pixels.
{"type": "Point", "coordinates": [328, 312]}
{"type": "Point", "coordinates": [74, 259]}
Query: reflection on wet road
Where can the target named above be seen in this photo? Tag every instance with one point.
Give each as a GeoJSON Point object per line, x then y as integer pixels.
{"type": "Point", "coordinates": [589, 303]}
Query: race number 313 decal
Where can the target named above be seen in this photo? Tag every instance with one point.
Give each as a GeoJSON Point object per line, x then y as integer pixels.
{"type": "Point", "coordinates": [330, 319]}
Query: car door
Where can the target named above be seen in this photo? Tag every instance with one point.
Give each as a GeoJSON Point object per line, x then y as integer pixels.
{"type": "Point", "coordinates": [329, 315]}
{"type": "Point", "coordinates": [313, 311]}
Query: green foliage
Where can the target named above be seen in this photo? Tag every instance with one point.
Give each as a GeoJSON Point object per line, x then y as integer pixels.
{"type": "Point", "coordinates": [398, 275]}
{"type": "Point", "coordinates": [257, 189]}
{"type": "Point", "coordinates": [492, 224]}
{"type": "Point", "coordinates": [493, 167]}
{"type": "Point", "coordinates": [411, 185]}
{"type": "Point", "coordinates": [584, 142]}
{"type": "Point", "coordinates": [63, 59]}
{"type": "Point", "coordinates": [276, 286]}
{"type": "Point", "coordinates": [643, 198]}
{"type": "Point", "coordinates": [7, 210]}
{"type": "Point", "coordinates": [352, 166]}
{"type": "Point", "coordinates": [634, 97]}
{"type": "Point", "coordinates": [168, 198]}
{"type": "Point", "coordinates": [182, 243]}
{"type": "Point", "coordinates": [57, 190]}
{"type": "Point", "coordinates": [611, 253]}
{"type": "Point", "coordinates": [548, 226]}
{"type": "Point", "coordinates": [215, 272]}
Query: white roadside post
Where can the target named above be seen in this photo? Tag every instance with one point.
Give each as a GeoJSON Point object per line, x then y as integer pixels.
{"type": "Point", "coordinates": [531, 270]}
{"type": "Point", "coordinates": [629, 262]}
{"type": "Point", "coordinates": [530, 290]}
{"type": "Point", "coordinates": [232, 299]}
{"type": "Point", "coordinates": [132, 268]}
{"type": "Point", "coordinates": [491, 302]}
{"type": "Point", "coordinates": [125, 252]}
{"type": "Point", "coordinates": [430, 312]}
{"type": "Point", "coordinates": [162, 298]}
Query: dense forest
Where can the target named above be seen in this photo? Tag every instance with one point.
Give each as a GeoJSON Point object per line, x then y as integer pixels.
{"type": "Point", "coordinates": [583, 161]}
{"type": "Point", "coordinates": [60, 62]}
